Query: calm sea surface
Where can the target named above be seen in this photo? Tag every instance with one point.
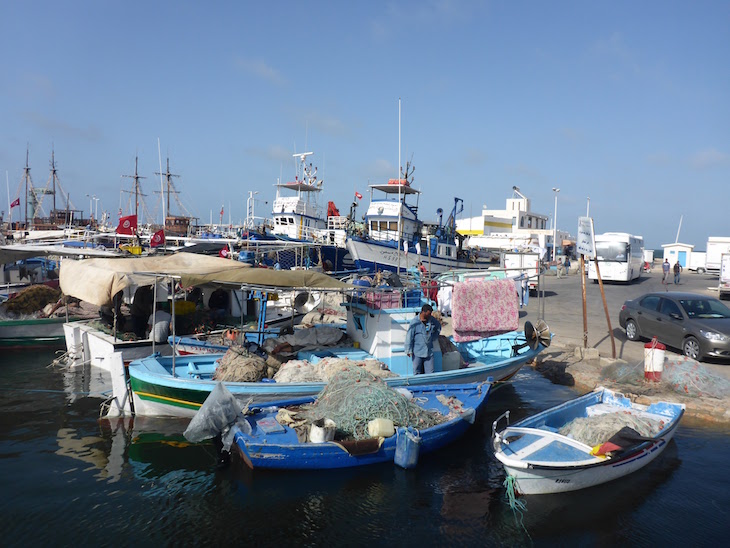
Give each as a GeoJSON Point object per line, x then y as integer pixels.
{"type": "Point", "coordinates": [67, 477]}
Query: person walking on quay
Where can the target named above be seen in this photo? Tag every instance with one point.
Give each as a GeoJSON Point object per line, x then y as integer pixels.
{"type": "Point", "coordinates": [559, 268]}
{"type": "Point", "coordinates": [422, 332]}
{"type": "Point", "coordinates": [677, 270]}
{"type": "Point", "coordinates": [665, 271]}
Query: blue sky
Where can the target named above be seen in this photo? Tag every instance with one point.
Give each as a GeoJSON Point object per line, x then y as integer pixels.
{"type": "Point", "coordinates": [627, 103]}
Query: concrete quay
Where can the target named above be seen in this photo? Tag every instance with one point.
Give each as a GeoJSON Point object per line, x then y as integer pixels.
{"type": "Point", "coordinates": [566, 361]}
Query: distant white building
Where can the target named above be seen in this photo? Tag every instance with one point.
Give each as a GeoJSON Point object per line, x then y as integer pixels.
{"type": "Point", "coordinates": [515, 227]}
{"type": "Point", "coordinates": [685, 254]}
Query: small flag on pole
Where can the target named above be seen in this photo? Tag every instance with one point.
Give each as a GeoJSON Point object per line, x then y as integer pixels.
{"type": "Point", "coordinates": [158, 239]}
{"type": "Point", "coordinates": [127, 225]}
{"type": "Point", "coordinates": [358, 195]}
{"type": "Point", "coordinates": [16, 202]}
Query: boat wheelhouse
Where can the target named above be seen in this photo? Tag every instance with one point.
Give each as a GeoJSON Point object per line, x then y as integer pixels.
{"type": "Point", "coordinates": [299, 216]}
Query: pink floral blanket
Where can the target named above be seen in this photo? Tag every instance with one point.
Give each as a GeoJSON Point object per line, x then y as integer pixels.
{"type": "Point", "coordinates": [483, 309]}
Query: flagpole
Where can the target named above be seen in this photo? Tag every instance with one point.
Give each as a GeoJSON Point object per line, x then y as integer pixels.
{"type": "Point", "coordinates": [400, 205]}
{"type": "Point", "coordinates": [162, 184]}
{"type": "Point", "coordinates": [10, 209]}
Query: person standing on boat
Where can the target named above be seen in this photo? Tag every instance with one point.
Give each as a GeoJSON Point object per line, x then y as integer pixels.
{"type": "Point", "coordinates": [422, 332]}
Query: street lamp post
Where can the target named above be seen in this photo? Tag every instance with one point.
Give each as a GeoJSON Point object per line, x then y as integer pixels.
{"type": "Point", "coordinates": [91, 207]}
{"type": "Point", "coordinates": [96, 208]}
{"type": "Point", "coordinates": [555, 226]}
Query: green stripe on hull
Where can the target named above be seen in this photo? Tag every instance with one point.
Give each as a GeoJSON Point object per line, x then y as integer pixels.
{"type": "Point", "coordinates": [174, 397]}
{"type": "Point", "coordinates": [28, 342]}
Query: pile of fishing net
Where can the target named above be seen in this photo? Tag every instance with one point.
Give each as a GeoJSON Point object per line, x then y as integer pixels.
{"type": "Point", "coordinates": [31, 300]}
{"type": "Point", "coordinates": [689, 377]}
{"type": "Point", "coordinates": [326, 368]}
{"type": "Point", "coordinates": [354, 396]}
{"type": "Point", "coordinates": [599, 428]}
{"type": "Point", "coordinates": [681, 375]}
{"type": "Point", "coordinates": [312, 338]}
{"type": "Point", "coordinates": [238, 365]}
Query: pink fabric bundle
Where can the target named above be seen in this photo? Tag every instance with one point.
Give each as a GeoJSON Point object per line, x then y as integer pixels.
{"type": "Point", "coordinates": [484, 309]}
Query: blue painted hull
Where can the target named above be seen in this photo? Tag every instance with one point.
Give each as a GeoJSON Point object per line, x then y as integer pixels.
{"type": "Point", "coordinates": [282, 450]}
{"type": "Point", "coordinates": [159, 392]}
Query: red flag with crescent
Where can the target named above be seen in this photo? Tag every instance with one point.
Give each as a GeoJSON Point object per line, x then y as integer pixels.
{"type": "Point", "coordinates": [158, 239]}
{"type": "Point", "coordinates": [16, 202]}
{"type": "Point", "coordinates": [358, 195]}
{"type": "Point", "coordinates": [127, 225]}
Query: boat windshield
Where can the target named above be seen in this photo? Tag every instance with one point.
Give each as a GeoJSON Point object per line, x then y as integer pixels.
{"type": "Point", "coordinates": [612, 251]}
{"type": "Point", "coordinates": [705, 308]}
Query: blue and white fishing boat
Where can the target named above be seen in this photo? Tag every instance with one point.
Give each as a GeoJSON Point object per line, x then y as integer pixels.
{"type": "Point", "coordinates": [584, 442]}
{"type": "Point", "coordinates": [297, 216]}
{"type": "Point", "coordinates": [178, 385]}
{"type": "Point", "coordinates": [264, 442]}
{"type": "Point", "coordinates": [395, 237]}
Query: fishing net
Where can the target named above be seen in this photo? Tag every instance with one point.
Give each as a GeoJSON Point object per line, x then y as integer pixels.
{"type": "Point", "coordinates": [354, 396]}
{"type": "Point", "coordinates": [689, 377]}
{"type": "Point", "coordinates": [326, 368]}
{"type": "Point", "coordinates": [238, 365]}
{"type": "Point", "coordinates": [681, 375]}
{"type": "Point", "coordinates": [31, 299]}
{"type": "Point", "coordinates": [597, 429]}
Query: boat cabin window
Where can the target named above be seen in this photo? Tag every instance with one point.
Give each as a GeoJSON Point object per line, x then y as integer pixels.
{"type": "Point", "coordinates": [393, 225]}
{"type": "Point", "coordinates": [383, 225]}
{"type": "Point", "coordinates": [373, 225]}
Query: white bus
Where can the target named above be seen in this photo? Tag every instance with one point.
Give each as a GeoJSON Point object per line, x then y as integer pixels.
{"type": "Point", "coordinates": [620, 257]}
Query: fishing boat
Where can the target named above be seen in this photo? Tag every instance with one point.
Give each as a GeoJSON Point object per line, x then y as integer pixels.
{"type": "Point", "coordinates": [298, 217]}
{"type": "Point", "coordinates": [355, 420]}
{"type": "Point", "coordinates": [263, 442]}
{"type": "Point", "coordinates": [178, 386]}
{"type": "Point", "coordinates": [33, 332]}
{"type": "Point", "coordinates": [395, 238]}
{"type": "Point", "coordinates": [593, 439]}
{"type": "Point", "coordinates": [97, 281]}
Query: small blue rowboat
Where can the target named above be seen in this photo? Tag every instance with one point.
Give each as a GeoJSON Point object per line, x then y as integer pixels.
{"type": "Point", "coordinates": [584, 442]}
{"type": "Point", "coordinates": [270, 444]}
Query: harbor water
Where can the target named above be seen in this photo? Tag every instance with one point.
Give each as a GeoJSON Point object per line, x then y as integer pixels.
{"type": "Point", "coordinates": [68, 477]}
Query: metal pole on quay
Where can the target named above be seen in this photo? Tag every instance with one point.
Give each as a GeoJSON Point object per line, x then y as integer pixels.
{"type": "Point", "coordinates": [555, 226]}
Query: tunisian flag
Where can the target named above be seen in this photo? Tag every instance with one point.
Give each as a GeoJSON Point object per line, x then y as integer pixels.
{"type": "Point", "coordinates": [16, 202]}
{"type": "Point", "coordinates": [358, 195]}
{"type": "Point", "coordinates": [158, 239]}
{"type": "Point", "coordinates": [127, 225]}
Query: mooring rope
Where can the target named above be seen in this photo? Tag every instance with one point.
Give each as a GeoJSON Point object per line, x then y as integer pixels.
{"type": "Point", "coordinates": [518, 507]}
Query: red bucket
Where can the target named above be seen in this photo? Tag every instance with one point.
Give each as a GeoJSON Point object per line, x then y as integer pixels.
{"type": "Point", "coordinates": [654, 360]}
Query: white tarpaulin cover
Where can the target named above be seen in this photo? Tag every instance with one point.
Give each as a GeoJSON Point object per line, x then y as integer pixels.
{"type": "Point", "coordinates": [96, 281]}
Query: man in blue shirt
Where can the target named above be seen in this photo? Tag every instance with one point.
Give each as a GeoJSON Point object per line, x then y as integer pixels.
{"type": "Point", "coordinates": [422, 332]}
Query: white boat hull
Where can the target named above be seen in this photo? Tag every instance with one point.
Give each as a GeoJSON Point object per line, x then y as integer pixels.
{"type": "Point", "coordinates": [378, 256]}
{"type": "Point", "coordinates": [546, 481]}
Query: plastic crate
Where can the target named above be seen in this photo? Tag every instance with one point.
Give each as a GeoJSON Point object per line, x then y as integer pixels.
{"type": "Point", "coordinates": [413, 298]}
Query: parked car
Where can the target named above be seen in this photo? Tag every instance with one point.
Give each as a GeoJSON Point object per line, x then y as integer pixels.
{"type": "Point", "coordinates": [696, 324]}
